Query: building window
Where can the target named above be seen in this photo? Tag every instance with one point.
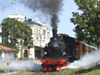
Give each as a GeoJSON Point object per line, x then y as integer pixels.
{"type": "Point", "coordinates": [26, 53]}
{"type": "Point", "coordinates": [48, 34]}
{"type": "Point", "coordinates": [37, 54]}
{"type": "Point", "coordinates": [36, 31]}
{"type": "Point", "coordinates": [44, 31]}
{"type": "Point", "coordinates": [39, 32]}
{"type": "Point", "coordinates": [5, 39]}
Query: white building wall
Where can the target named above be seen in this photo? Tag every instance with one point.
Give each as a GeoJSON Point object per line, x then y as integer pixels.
{"type": "Point", "coordinates": [0, 39]}
{"type": "Point", "coordinates": [32, 52]}
{"type": "Point", "coordinates": [2, 55]}
{"type": "Point", "coordinates": [18, 55]}
{"type": "Point", "coordinates": [0, 32]}
{"type": "Point", "coordinates": [18, 17]}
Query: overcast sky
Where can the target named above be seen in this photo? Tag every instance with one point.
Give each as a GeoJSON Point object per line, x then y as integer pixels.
{"type": "Point", "coordinates": [65, 26]}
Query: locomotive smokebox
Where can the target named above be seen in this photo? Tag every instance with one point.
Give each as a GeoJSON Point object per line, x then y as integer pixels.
{"type": "Point", "coordinates": [54, 33]}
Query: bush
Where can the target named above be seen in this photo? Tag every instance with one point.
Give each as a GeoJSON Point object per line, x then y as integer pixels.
{"type": "Point", "coordinates": [23, 58]}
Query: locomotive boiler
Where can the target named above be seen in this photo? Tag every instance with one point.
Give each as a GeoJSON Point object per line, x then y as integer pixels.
{"type": "Point", "coordinates": [55, 54]}
{"type": "Point", "coordinates": [56, 47]}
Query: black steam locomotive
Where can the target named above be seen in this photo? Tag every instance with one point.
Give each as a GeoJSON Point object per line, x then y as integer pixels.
{"type": "Point", "coordinates": [58, 52]}
{"type": "Point", "coordinates": [61, 50]}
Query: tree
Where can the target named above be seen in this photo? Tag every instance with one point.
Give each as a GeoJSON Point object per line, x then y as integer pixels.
{"type": "Point", "coordinates": [90, 43]}
{"type": "Point", "coordinates": [88, 22]}
{"type": "Point", "coordinates": [22, 32]}
{"type": "Point", "coordinates": [64, 34]}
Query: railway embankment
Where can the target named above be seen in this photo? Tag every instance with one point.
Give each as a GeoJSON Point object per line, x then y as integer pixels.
{"type": "Point", "coordinates": [93, 69]}
{"type": "Point", "coordinates": [93, 66]}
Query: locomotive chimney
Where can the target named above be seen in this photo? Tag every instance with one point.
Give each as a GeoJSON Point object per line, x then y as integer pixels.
{"type": "Point", "coordinates": [54, 33]}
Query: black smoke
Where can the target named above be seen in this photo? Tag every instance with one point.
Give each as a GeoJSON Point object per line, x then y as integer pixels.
{"type": "Point", "coordinates": [51, 8]}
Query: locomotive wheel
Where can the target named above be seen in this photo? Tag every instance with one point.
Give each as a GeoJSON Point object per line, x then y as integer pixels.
{"type": "Point", "coordinates": [46, 67]}
{"type": "Point", "coordinates": [61, 67]}
{"type": "Point", "coordinates": [53, 67]}
{"type": "Point", "coordinates": [49, 67]}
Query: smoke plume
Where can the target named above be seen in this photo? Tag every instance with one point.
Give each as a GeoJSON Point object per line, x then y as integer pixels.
{"type": "Point", "coordinates": [19, 65]}
{"type": "Point", "coordinates": [49, 8]}
{"type": "Point", "coordinates": [86, 60]}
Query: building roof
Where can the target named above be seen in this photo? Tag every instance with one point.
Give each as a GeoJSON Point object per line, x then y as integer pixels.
{"type": "Point", "coordinates": [32, 22]}
{"type": "Point", "coordinates": [37, 22]}
{"type": "Point", "coordinates": [5, 48]}
{"type": "Point", "coordinates": [38, 47]}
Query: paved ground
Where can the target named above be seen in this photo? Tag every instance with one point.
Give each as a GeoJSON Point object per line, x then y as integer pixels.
{"type": "Point", "coordinates": [9, 73]}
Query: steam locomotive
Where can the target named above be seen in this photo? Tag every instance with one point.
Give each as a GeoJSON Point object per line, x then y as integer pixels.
{"type": "Point", "coordinates": [61, 50]}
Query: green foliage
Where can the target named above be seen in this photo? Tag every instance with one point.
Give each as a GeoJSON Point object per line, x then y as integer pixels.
{"type": "Point", "coordinates": [88, 22]}
{"type": "Point", "coordinates": [22, 32]}
{"type": "Point", "coordinates": [90, 43]}
{"type": "Point", "coordinates": [7, 44]}
{"type": "Point", "coordinates": [64, 72]}
{"type": "Point", "coordinates": [64, 34]}
{"type": "Point", "coordinates": [16, 49]}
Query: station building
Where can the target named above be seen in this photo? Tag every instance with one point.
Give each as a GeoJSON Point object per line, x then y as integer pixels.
{"type": "Point", "coordinates": [41, 36]}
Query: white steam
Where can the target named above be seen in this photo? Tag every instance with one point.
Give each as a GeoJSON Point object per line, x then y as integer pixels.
{"type": "Point", "coordinates": [20, 65]}
{"type": "Point", "coordinates": [86, 60]}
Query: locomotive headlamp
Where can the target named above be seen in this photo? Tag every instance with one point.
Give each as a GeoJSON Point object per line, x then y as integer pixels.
{"type": "Point", "coordinates": [45, 53]}
{"type": "Point", "coordinates": [64, 53]}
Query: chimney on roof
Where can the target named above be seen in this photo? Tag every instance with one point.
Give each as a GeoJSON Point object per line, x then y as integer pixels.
{"type": "Point", "coordinates": [29, 20]}
{"type": "Point", "coordinates": [25, 18]}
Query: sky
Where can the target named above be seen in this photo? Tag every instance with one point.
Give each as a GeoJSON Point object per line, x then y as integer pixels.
{"type": "Point", "coordinates": [64, 26]}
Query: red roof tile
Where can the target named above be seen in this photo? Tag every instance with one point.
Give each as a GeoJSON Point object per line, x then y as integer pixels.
{"type": "Point", "coordinates": [5, 48]}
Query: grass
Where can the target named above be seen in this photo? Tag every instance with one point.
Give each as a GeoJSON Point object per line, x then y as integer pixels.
{"type": "Point", "coordinates": [80, 71]}
{"type": "Point", "coordinates": [1, 71]}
